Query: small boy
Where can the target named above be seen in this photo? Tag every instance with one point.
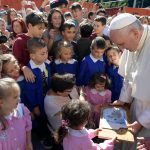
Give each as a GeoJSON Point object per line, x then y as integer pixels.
{"type": "Point", "coordinates": [99, 25]}
{"type": "Point", "coordinates": [35, 92]}
{"type": "Point", "coordinates": [92, 63]}
{"type": "Point", "coordinates": [77, 12]}
{"type": "Point", "coordinates": [84, 43]}
{"type": "Point", "coordinates": [35, 24]}
{"type": "Point", "coordinates": [69, 34]}
{"type": "Point", "coordinates": [69, 31]}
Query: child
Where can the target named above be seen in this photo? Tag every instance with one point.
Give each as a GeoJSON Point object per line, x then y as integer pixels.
{"type": "Point", "coordinates": [113, 54]}
{"type": "Point", "coordinates": [99, 25]}
{"type": "Point", "coordinates": [15, 121]}
{"type": "Point", "coordinates": [97, 94]}
{"type": "Point", "coordinates": [92, 63]}
{"type": "Point", "coordinates": [35, 25]}
{"type": "Point", "coordinates": [11, 69]}
{"type": "Point", "coordinates": [10, 66]}
{"type": "Point", "coordinates": [58, 96]}
{"type": "Point", "coordinates": [91, 16]}
{"type": "Point", "coordinates": [64, 62]}
{"type": "Point", "coordinates": [69, 33]}
{"type": "Point", "coordinates": [36, 91]}
{"type": "Point", "coordinates": [84, 43]}
{"type": "Point", "coordinates": [67, 15]}
{"type": "Point", "coordinates": [77, 13]}
{"type": "Point", "coordinates": [73, 133]}
{"type": "Point", "coordinates": [76, 10]}
{"type": "Point", "coordinates": [3, 29]}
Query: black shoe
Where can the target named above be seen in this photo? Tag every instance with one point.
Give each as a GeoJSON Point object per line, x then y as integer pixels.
{"type": "Point", "coordinates": [47, 144]}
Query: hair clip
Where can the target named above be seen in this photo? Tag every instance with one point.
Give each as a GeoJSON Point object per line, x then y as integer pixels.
{"type": "Point", "coordinates": [65, 123]}
{"type": "Point", "coordinates": [102, 76]}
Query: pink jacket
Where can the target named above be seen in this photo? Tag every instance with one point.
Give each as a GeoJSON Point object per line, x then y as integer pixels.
{"type": "Point", "coordinates": [14, 137]}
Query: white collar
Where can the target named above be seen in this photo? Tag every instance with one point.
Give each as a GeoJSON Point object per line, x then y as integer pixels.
{"type": "Point", "coordinates": [59, 61]}
{"type": "Point", "coordinates": [78, 133]}
{"type": "Point", "coordinates": [20, 78]}
{"type": "Point", "coordinates": [41, 67]}
{"type": "Point", "coordinates": [101, 93]}
{"type": "Point", "coordinates": [17, 112]}
{"type": "Point", "coordinates": [94, 59]}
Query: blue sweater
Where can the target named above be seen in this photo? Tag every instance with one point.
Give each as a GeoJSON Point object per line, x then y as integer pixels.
{"type": "Point", "coordinates": [61, 68]}
{"type": "Point", "coordinates": [34, 92]}
{"type": "Point", "coordinates": [116, 81]}
{"type": "Point", "coordinates": [88, 68]}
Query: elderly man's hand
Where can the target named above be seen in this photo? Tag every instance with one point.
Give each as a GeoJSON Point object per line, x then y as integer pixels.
{"type": "Point", "coordinates": [144, 143]}
{"type": "Point", "coordinates": [135, 127]}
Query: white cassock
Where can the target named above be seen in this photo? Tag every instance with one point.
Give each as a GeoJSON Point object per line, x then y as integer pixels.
{"type": "Point", "coordinates": [135, 68]}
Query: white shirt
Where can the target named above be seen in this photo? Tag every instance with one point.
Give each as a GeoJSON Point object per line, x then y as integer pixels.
{"type": "Point", "coordinates": [135, 68]}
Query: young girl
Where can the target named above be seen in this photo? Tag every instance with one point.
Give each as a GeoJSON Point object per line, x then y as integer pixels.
{"type": "Point", "coordinates": [97, 95]}
{"type": "Point", "coordinates": [10, 68]}
{"type": "Point", "coordinates": [58, 96]}
{"type": "Point", "coordinates": [92, 63]}
{"type": "Point", "coordinates": [53, 33]}
{"type": "Point", "coordinates": [113, 55]}
{"type": "Point", "coordinates": [18, 27]}
{"type": "Point", "coordinates": [64, 62]}
{"type": "Point", "coordinates": [11, 15]}
{"type": "Point", "coordinates": [15, 121]}
{"type": "Point", "coordinates": [73, 133]}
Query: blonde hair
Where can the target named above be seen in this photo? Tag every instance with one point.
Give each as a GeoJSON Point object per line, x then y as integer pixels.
{"type": "Point", "coordinates": [63, 44]}
{"type": "Point", "coordinates": [6, 89]}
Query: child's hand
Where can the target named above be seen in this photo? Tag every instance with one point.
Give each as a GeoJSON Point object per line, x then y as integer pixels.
{"type": "Point", "coordinates": [29, 76]}
{"type": "Point", "coordinates": [97, 131]}
{"type": "Point", "coordinates": [36, 111]}
{"type": "Point", "coordinates": [29, 146]}
{"type": "Point", "coordinates": [117, 103]}
{"type": "Point", "coordinates": [52, 33]}
{"type": "Point", "coordinates": [135, 126]}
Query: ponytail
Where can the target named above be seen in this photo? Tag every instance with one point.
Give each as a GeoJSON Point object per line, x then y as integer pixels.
{"type": "Point", "coordinates": [60, 134]}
